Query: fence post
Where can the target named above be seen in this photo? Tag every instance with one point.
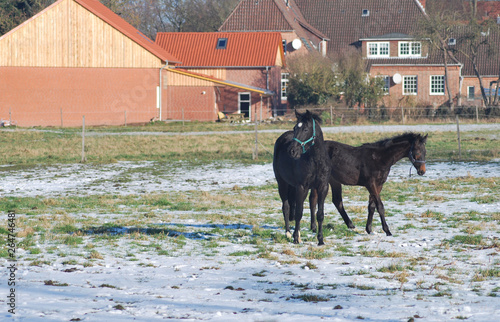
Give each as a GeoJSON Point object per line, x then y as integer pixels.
{"type": "Point", "coordinates": [125, 117]}
{"type": "Point", "coordinates": [256, 150]}
{"type": "Point", "coordinates": [83, 139]}
{"type": "Point", "coordinates": [331, 115]}
{"type": "Point", "coordinates": [183, 117]}
{"type": "Point", "coordinates": [402, 115]}
{"type": "Point", "coordinates": [10, 115]}
{"type": "Point", "coordinates": [458, 138]}
{"type": "Point", "coordinates": [477, 114]}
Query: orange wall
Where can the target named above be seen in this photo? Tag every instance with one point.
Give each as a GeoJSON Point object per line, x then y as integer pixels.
{"type": "Point", "coordinates": [36, 96]}
{"type": "Point", "coordinates": [197, 103]}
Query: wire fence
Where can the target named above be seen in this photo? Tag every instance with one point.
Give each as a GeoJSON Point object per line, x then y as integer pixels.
{"type": "Point", "coordinates": [344, 115]}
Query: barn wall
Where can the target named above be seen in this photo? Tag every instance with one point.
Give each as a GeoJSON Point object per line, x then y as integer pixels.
{"type": "Point", "coordinates": [68, 35]}
{"type": "Point", "coordinates": [38, 96]}
{"type": "Point", "coordinates": [196, 103]}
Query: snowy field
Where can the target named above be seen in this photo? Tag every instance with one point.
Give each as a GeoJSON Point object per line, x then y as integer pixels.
{"type": "Point", "coordinates": [210, 269]}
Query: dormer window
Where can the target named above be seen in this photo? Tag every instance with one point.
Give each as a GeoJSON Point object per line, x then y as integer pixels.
{"type": "Point", "coordinates": [410, 49]}
{"type": "Point", "coordinates": [377, 49]}
{"type": "Point", "coordinates": [452, 42]}
{"type": "Point", "coordinates": [221, 43]}
{"type": "Point", "coordinates": [365, 13]}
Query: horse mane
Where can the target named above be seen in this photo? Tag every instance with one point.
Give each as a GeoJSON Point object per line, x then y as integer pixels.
{"type": "Point", "coordinates": [405, 137]}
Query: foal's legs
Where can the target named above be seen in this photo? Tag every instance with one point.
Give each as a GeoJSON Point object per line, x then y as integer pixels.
{"type": "Point", "coordinates": [376, 202]}
{"type": "Point", "coordinates": [337, 201]}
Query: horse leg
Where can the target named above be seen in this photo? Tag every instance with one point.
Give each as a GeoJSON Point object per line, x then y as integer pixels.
{"type": "Point", "coordinates": [371, 211]}
{"type": "Point", "coordinates": [376, 202]}
{"type": "Point", "coordinates": [381, 212]}
{"type": "Point", "coordinates": [337, 201]}
{"type": "Point", "coordinates": [283, 190]}
{"type": "Point", "coordinates": [322, 193]}
{"type": "Point", "coordinates": [313, 201]}
{"type": "Point", "coordinates": [300, 196]}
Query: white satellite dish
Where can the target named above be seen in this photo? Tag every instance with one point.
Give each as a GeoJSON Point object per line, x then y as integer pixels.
{"type": "Point", "coordinates": [296, 44]}
{"type": "Point", "coordinates": [396, 78]}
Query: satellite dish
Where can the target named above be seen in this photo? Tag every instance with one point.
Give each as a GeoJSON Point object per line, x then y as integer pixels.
{"type": "Point", "coordinates": [396, 78]}
{"type": "Point", "coordinates": [296, 44]}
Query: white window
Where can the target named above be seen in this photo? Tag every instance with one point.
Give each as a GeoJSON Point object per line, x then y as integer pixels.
{"type": "Point", "coordinates": [387, 84]}
{"type": "Point", "coordinates": [284, 85]}
{"type": "Point", "coordinates": [410, 49]}
{"type": "Point", "coordinates": [409, 85]}
{"type": "Point", "coordinates": [471, 92]}
{"type": "Point", "coordinates": [378, 49]}
{"type": "Point", "coordinates": [437, 85]}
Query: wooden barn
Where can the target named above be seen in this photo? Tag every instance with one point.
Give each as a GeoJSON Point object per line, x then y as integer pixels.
{"type": "Point", "coordinates": [77, 58]}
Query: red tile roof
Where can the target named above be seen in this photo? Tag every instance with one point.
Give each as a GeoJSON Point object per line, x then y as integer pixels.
{"type": "Point", "coordinates": [125, 28]}
{"type": "Point", "coordinates": [247, 49]}
{"type": "Point", "coordinates": [271, 15]}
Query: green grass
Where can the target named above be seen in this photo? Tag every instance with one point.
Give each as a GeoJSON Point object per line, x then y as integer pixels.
{"type": "Point", "coordinates": [64, 145]}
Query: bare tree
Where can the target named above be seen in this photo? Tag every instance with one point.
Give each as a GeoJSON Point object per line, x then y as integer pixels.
{"type": "Point", "coordinates": [436, 29]}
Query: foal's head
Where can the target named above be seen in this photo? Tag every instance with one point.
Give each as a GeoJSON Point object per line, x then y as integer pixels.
{"type": "Point", "coordinates": [305, 133]}
{"type": "Point", "coordinates": [417, 153]}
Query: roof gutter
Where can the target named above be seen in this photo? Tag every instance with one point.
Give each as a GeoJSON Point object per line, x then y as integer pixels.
{"type": "Point", "coordinates": [263, 92]}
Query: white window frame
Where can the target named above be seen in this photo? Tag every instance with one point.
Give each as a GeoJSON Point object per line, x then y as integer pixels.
{"type": "Point", "coordinates": [435, 83]}
{"type": "Point", "coordinates": [473, 93]}
{"type": "Point", "coordinates": [378, 49]}
{"type": "Point", "coordinates": [412, 48]}
{"type": "Point", "coordinates": [387, 83]}
{"type": "Point", "coordinates": [284, 85]}
{"type": "Point", "coordinates": [406, 83]}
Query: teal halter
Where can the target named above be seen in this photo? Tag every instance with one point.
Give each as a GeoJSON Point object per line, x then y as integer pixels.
{"type": "Point", "coordinates": [303, 144]}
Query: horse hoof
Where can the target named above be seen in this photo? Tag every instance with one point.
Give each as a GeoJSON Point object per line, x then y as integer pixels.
{"type": "Point", "coordinates": [351, 226]}
{"type": "Point", "coordinates": [321, 243]}
{"type": "Point", "coordinates": [388, 233]}
{"type": "Point", "coordinates": [288, 235]}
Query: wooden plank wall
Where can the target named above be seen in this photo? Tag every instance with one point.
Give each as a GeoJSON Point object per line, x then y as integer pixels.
{"type": "Point", "coordinates": [68, 35]}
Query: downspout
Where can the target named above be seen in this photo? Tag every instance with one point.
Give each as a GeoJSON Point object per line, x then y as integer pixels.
{"type": "Point", "coordinates": [461, 81]}
{"type": "Point", "coordinates": [161, 89]}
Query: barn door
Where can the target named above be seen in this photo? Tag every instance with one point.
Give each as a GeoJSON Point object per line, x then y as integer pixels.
{"type": "Point", "coordinates": [244, 104]}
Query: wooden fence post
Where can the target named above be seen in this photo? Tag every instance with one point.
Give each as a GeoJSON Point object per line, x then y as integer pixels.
{"type": "Point", "coordinates": [458, 138]}
{"type": "Point", "coordinates": [83, 140]}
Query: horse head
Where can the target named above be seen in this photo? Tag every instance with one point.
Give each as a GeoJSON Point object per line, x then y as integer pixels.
{"type": "Point", "coordinates": [417, 153]}
{"type": "Point", "coordinates": [305, 133]}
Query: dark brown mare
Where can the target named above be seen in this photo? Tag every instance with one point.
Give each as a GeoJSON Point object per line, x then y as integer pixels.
{"type": "Point", "coordinates": [300, 163]}
{"type": "Point", "coordinates": [369, 165]}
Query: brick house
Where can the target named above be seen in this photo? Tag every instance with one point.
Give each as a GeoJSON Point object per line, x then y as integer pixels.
{"type": "Point", "coordinates": [243, 70]}
{"type": "Point", "coordinates": [77, 58]}
{"type": "Point", "coordinates": [382, 31]}
{"type": "Point", "coordinates": [298, 36]}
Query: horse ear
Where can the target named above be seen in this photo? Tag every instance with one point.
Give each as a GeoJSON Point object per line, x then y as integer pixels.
{"type": "Point", "coordinates": [297, 114]}
{"type": "Point", "coordinates": [425, 139]}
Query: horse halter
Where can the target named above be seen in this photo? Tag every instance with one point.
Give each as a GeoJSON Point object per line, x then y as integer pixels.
{"type": "Point", "coordinates": [412, 158]}
{"type": "Point", "coordinates": [303, 144]}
